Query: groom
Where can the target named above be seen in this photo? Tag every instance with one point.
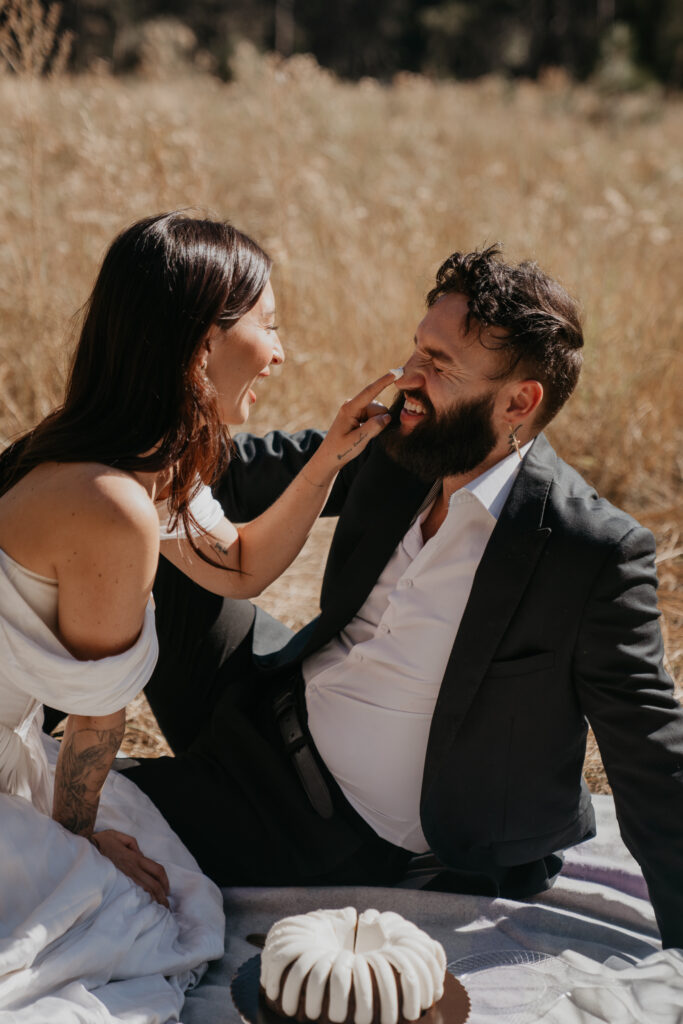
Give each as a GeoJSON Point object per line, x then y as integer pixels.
{"type": "Point", "coordinates": [479, 605]}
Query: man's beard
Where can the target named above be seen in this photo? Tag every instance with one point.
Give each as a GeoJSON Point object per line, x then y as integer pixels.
{"type": "Point", "coordinates": [448, 444]}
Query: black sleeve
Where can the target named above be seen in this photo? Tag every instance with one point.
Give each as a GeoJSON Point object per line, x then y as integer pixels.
{"type": "Point", "coordinates": [261, 468]}
{"type": "Point", "coordinates": [629, 700]}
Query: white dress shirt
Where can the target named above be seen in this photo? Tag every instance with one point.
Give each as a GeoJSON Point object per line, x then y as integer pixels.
{"type": "Point", "coordinates": [371, 691]}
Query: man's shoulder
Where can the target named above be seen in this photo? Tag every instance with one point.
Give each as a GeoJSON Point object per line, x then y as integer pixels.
{"type": "Point", "coordinates": [275, 444]}
{"type": "Point", "coordinates": [576, 505]}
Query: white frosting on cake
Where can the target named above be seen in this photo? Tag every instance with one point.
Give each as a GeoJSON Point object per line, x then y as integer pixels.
{"type": "Point", "coordinates": [348, 949]}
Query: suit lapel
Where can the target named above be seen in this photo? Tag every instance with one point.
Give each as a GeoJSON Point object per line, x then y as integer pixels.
{"type": "Point", "coordinates": [499, 583]}
{"type": "Point", "coordinates": [389, 504]}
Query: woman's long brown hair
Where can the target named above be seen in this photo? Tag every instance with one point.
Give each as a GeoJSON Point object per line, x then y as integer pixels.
{"type": "Point", "coordinates": [136, 385]}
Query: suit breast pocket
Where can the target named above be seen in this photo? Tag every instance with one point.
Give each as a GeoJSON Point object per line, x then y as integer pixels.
{"type": "Point", "coordinates": [540, 662]}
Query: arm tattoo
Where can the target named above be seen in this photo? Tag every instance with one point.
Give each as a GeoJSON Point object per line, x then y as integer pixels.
{"type": "Point", "coordinates": [84, 760]}
{"type": "Point", "coordinates": [220, 548]}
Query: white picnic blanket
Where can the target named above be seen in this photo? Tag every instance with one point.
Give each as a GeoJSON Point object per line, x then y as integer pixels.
{"type": "Point", "coordinates": [591, 945]}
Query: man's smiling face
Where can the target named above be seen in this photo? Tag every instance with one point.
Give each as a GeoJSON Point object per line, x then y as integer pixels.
{"type": "Point", "coordinates": [445, 419]}
{"type": "Point", "coordinates": [449, 364]}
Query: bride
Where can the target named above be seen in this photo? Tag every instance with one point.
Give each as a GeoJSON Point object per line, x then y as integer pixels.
{"type": "Point", "coordinates": [178, 330]}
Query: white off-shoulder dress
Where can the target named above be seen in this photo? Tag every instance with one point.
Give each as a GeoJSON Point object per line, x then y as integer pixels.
{"type": "Point", "coordinates": [79, 941]}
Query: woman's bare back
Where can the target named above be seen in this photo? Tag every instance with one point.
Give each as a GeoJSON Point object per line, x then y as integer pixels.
{"type": "Point", "coordinates": [93, 529]}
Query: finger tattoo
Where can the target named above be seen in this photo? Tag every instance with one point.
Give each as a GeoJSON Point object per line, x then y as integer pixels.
{"type": "Point", "coordinates": [359, 440]}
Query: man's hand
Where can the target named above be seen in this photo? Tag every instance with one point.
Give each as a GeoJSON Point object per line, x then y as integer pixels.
{"type": "Point", "coordinates": [124, 852]}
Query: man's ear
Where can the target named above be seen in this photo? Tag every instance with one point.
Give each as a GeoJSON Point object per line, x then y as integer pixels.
{"type": "Point", "coordinates": [523, 399]}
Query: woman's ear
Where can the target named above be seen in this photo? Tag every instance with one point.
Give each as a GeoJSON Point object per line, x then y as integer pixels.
{"type": "Point", "coordinates": [207, 344]}
{"type": "Point", "coordinates": [204, 352]}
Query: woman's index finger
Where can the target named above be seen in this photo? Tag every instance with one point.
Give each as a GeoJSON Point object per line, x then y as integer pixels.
{"type": "Point", "coordinates": [370, 391]}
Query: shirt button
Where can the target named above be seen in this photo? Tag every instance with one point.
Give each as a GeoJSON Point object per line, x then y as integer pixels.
{"type": "Point", "coordinates": [383, 629]}
{"type": "Point", "coordinates": [405, 583]}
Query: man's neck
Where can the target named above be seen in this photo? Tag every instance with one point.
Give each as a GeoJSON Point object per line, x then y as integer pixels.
{"type": "Point", "coordinates": [439, 510]}
{"type": "Point", "coordinates": [435, 517]}
{"type": "Point", "coordinates": [450, 484]}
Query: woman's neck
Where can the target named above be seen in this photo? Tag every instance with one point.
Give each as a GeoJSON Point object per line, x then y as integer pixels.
{"type": "Point", "coordinates": [157, 484]}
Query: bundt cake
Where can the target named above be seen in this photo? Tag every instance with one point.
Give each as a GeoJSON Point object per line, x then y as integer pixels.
{"type": "Point", "coordinates": [339, 967]}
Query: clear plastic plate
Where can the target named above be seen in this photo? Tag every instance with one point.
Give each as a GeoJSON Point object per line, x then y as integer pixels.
{"type": "Point", "coordinates": [511, 985]}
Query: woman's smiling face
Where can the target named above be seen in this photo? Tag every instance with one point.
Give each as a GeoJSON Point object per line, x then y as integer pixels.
{"type": "Point", "coordinates": [237, 357]}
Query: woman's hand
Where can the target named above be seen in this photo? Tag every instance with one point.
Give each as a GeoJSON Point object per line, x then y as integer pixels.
{"type": "Point", "coordinates": [357, 422]}
{"type": "Point", "coordinates": [124, 852]}
{"type": "Point", "coordinates": [263, 548]}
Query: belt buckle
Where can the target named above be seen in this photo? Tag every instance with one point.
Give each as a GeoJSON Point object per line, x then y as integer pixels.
{"type": "Point", "coordinates": [288, 722]}
{"type": "Point", "coordinates": [298, 749]}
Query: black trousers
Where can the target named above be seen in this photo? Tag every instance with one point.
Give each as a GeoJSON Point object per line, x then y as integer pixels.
{"type": "Point", "coordinates": [231, 791]}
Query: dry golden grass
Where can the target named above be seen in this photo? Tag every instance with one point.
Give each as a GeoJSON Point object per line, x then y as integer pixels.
{"type": "Point", "coordinates": [359, 191]}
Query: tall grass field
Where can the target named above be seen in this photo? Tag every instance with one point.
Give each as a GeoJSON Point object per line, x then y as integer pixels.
{"type": "Point", "coordinates": [359, 191]}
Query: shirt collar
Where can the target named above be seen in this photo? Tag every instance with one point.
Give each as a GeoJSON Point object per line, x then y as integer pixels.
{"type": "Point", "coordinates": [493, 487]}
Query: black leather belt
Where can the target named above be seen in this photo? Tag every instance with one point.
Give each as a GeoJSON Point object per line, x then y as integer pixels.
{"type": "Point", "coordinates": [298, 749]}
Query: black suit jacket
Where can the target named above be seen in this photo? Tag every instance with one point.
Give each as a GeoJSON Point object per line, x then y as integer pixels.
{"type": "Point", "coordinates": [561, 628]}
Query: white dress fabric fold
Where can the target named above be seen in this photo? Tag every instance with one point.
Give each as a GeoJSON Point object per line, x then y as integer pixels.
{"type": "Point", "coordinates": [205, 510]}
{"type": "Point", "coordinates": [79, 941]}
{"type": "Point", "coordinates": [36, 669]}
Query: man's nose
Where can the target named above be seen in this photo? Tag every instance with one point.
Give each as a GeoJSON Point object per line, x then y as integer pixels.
{"type": "Point", "coordinates": [412, 377]}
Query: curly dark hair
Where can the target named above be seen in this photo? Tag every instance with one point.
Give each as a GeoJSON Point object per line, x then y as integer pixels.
{"type": "Point", "coordinates": [540, 322]}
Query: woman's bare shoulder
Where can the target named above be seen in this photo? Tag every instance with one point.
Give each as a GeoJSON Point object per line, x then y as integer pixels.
{"type": "Point", "coordinates": [105, 553]}
{"type": "Point", "coordinates": [101, 499]}
{"type": "Point", "coordinates": [63, 507]}
{"type": "Point", "coordinates": [59, 503]}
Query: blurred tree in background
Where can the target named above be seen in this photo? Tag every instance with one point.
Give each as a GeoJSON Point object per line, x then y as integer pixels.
{"type": "Point", "coordinates": [636, 40]}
